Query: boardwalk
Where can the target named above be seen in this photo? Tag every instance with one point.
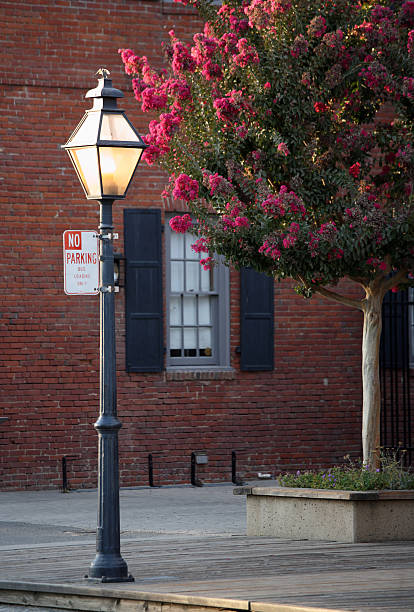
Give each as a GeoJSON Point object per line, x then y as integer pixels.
{"type": "Point", "coordinates": [368, 577]}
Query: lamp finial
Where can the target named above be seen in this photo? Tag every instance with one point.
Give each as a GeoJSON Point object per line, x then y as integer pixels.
{"type": "Point", "coordinates": [102, 73]}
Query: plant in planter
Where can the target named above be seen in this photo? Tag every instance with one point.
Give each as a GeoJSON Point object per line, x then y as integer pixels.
{"type": "Point", "coordinates": [287, 127]}
{"type": "Point", "coordinates": [348, 503]}
{"type": "Point", "coordinates": [354, 476]}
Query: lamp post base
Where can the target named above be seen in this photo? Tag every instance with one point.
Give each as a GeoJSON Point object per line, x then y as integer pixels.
{"type": "Point", "coordinates": [105, 579]}
{"type": "Point", "coordinates": [109, 568]}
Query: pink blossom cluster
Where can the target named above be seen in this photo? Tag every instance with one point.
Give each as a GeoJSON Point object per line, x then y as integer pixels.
{"type": "Point", "coordinates": [153, 99]}
{"type": "Point", "coordinates": [234, 223]}
{"type": "Point", "coordinates": [181, 223]}
{"type": "Point", "coordinates": [410, 42]}
{"type": "Point", "coordinates": [355, 170]}
{"type": "Point", "coordinates": [218, 184]}
{"type": "Point", "coordinates": [328, 230]}
{"type": "Point", "coordinates": [283, 149]}
{"type": "Point", "coordinates": [212, 71]}
{"type": "Point", "coordinates": [181, 58]}
{"type": "Point", "coordinates": [246, 55]}
{"type": "Point", "coordinates": [313, 244]}
{"type": "Point", "coordinates": [130, 60]}
{"type": "Point", "coordinates": [258, 16]}
{"type": "Point", "coordinates": [270, 249]}
{"type": "Point", "coordinates": [378, 13]}
{"type": "Point", "coordinates": [234, 220]}
{"type": "Point", "coordinates": [376, 263]}
{"type": "Point", "coordinates": [260, 12]}
{"type": "Point", "coordinates": [378, 31]}
{"type": "Point", "coordinates": [317, 27]}
{"type": "Point", "coordinates": [229, 107]}
{"type": "Point", "coordinates": [228, 43]}
{"type": "Point", "coordinates": [375, 76]}
{"type": "Point", "coordinates": [185, 188]}
{"type": "Point", "coordinates": [207, 263]}
{"type": "Point", "coordinates": [159, 136]}
{"type": "Point", "coordinates": [236, 24]}
{"type": "Point", "coordinates": [285, 202]}
{"type": "Point", "coordinates": [320, 107]}
{"type": "Point", "coordinates": [178, 88]}
{"type": "Point", "coordinates": [406, 16]}
{"type": "Point", "coordinates": [300, 46]}
{"type": "Point", "coordinates": [204, 48]}
{"type": "Point", "coordinates": [153, 88]}
{"type": "Point", "coordinates": [333, 40]}
{"type": "Point", "coordinates": [201, 245]}
{"type": "Point", "coordinates": [135, 65]}
{"type": "Point", "coordinates": [291, 238]}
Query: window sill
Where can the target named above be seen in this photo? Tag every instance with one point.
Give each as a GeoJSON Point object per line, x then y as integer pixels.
{"type": "Point", "coordinates": [212, 373]}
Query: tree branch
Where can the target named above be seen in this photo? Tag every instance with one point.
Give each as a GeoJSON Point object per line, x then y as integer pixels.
{"type": "Point", "coordinates": [342, 299]}
{"type": "Point", "coordinates": [400, 277]}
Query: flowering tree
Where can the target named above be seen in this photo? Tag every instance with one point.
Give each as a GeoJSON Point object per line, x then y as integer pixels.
{"type": "Point", "coordinates": [287, 128]}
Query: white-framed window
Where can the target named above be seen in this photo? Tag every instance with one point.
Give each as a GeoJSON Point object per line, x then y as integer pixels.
{"type": "Point", "coordinates": [197, 307]}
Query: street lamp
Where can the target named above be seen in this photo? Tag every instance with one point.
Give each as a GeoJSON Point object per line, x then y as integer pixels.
{"type": "Point", "coordinates": [105, 150]}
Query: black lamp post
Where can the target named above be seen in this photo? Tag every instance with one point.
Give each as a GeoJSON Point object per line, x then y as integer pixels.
{"type": "Point", "coordinates": [105, 150]}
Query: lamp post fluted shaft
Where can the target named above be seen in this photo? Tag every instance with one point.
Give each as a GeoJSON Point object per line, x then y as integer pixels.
{"type": "Point", "coordinates": [108, 564]}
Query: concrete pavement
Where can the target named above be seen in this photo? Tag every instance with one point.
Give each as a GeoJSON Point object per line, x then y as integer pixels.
{"type": "Point", "coordinates": [37, 517]}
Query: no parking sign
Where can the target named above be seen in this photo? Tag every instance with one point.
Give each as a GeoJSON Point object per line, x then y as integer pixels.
{"type": "Point", "coordinates": [81, 262]}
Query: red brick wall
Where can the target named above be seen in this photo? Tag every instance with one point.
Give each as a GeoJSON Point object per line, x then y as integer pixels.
{"type": "Point", "coordinates": [306, 412]}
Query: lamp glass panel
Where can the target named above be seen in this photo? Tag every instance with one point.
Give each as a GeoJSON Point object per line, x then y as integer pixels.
{"type": "Point", "coordinates": [87, 131]}
{"type": "Point", "coordinates": [116, 127]}
{"type": "Point", "coordinates": [117, 167]}
{"type": "Point", "coordinates": [85, 161]}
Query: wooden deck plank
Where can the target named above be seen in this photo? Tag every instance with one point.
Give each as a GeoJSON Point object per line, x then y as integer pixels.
{"type": "Point", "coordinates": [328, 575]}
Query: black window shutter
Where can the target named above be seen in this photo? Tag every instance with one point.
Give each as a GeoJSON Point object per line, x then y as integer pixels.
{"type": "Point", "coordinates": [143, 290]}
{"type": "Point", "coordinates": [256, 320]}
{"type": "Point", "coordinates": [394, 350]}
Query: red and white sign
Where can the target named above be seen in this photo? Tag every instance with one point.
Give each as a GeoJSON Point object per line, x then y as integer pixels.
{"type": "Point", "coordinates": [81, 262]}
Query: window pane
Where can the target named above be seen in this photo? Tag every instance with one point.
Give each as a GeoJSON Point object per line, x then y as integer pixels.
{"type": "Point", "coordinates": [192, 270]}
{"type": "Point", "coordinates": [205, 341]}
{"type": "Point", "coordinates": [207, 279]}
{"type": "Point", "coordinates": [175, 338]}
{"type": "Point", "coordinates": [190, 338]}
{"type": "Point", "coordinates": [175, 310]}
{"type": "Point", "coordinates": [189, 310]}
{"type": "Point", "coordinates": [189, 253]}
{"type": "Point", "coordinates": [177, 245]}
{"type": "Point", "coordinates": [177, 276]}
{"type": "Point", "coordinates": [204, 316]}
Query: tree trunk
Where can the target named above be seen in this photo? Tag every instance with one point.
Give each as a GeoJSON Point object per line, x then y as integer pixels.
{"type": "Point", "coordinates": [371, 406]}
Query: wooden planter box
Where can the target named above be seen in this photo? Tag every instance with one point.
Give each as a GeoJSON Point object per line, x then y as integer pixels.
{"type": "Point", "coordinates": [323, 514]}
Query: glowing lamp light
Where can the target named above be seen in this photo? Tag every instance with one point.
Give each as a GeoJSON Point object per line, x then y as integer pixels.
{"type": "Point", "coordinates": [105, 148]}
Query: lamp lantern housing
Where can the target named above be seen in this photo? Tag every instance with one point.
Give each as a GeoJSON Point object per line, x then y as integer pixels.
{"type": "Point", "coordinates": [105, 148]}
